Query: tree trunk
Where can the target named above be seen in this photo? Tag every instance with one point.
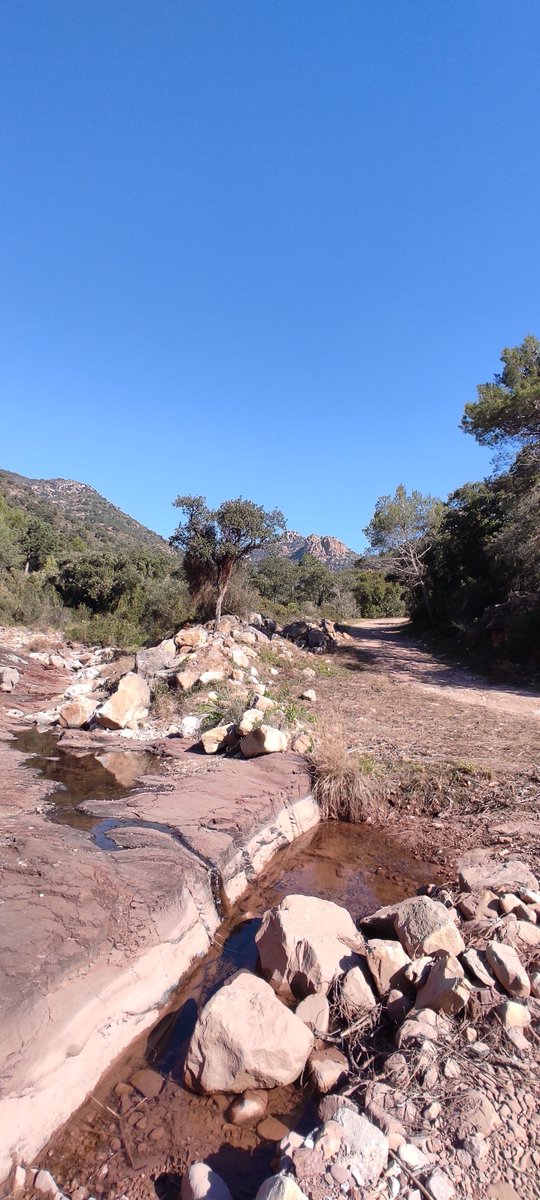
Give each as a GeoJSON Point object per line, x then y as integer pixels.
{"type": "Point", "coordinates": [427, 602]}
{"type": "Point", "coordinates": [219, 604]}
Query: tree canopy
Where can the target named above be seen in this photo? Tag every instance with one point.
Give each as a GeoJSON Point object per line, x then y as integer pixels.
{"type": "Point", "coordinates": [215, 541]}
{"type": "Point", "coordinates": [508, 408]}
{"type": "Point", "coordinates": [402, 530]}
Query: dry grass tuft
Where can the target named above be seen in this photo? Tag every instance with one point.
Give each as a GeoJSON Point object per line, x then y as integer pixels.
{"type": "Point", "coordinates": [346, 785]}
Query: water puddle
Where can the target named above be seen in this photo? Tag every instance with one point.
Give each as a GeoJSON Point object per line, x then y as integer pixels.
{"type": "Point", "coordinates": [85, 775]}
{"type": "Point", "coordinates": [156, 1138]}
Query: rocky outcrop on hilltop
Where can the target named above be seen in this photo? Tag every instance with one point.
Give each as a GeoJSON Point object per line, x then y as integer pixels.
{"type": "Point", "coordinates": [328, 550]}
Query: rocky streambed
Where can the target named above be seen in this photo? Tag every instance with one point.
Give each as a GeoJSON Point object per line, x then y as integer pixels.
{"type": "Point", "coordinates": [161, 1126]}
{"type": "Point", "coordinates": [314, 1055]}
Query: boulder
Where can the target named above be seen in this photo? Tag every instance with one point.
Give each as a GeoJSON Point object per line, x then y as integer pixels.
{"type": "Point", "coordinates": [250, 720]}
{"type": "Point", "coordinates": [190, 726]}
{"type": "Point", "coordinates": [523, 931]}
{"type": "Point", "coordinates": [326, 1069]}
{"type": "Point", "coordinates": [264, 703]}
{"type": "Point", "coordinates": [387, 961]}
{"type": "Point", "coordinates": [153, 660]}
{"type": "Point", "coordinates": [9, 678]}
{"type": "Point", "coordinates": [479, 870]}
{"type": "Point", "coordinates": [245, 637]}
{"type": "Point", "coordinates": [211, 676]}
{"type": "Point", "coordinates": [356, 992]}
{"type": "Point", "coordinates": [200, 1182]}
{"type": "Point", "coordinates": [514, 1015]}
{"type": "Point", "coordinates": [77, 713]}
{"type": "Point", "coordinates": [263, 740]}
{"type": "Point", "coordinates": [445, 990]}
{"type": "Point", "coordinates": [511, 903]}
{"type": "Point", "coordinates": [507, 966]}
{"type": "Point", "coordinates": [366, 1147]}
{"type": "Point", "coordinates": [240, 658]}
{"type": "Point", "coordinates": [197, 636]}
{"type": "Point", "coordinates": [218, 738]}
{"type": "Point", "coordinates": [305, 943]}
{"type": "Point", "coordinates": [187, 679]}
{"type": "Point", "coordinates": [246, 1038]}
{"type": "Point", "coordinates": [314, 1011]}
{"type": "Point", "coordinates": [476, 964]}
{"type": "Point", "coordinates": [424, 926]}
{"type": "Point", "coordinates": [280, 1187]}
{"type": "Point", "coordinates": [127, 706]}
{"type": "Point", "coordinates": [310, 695]}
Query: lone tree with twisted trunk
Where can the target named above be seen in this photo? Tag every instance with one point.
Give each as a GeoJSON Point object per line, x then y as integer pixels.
{"type": "Point", "coordinates": [215, 541]}
{"type": "Point", "coordinates": [402, 531]}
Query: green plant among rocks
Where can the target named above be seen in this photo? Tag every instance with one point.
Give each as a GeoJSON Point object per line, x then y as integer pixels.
{"type": "Point", "coordinates": [226, 709]}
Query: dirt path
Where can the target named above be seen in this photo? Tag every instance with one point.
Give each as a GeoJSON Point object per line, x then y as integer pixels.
{"type": "Point", "coordinates": [396, 700]}
{"type": "Point", "coordinates": [391, 652]}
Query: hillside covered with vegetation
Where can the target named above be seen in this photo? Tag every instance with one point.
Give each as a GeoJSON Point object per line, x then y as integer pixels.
{"type": "Point", "coordinates": [69, 558]}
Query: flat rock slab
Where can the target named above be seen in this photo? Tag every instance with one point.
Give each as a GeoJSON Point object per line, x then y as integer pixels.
{"type": "Point", "coordinates": [233, 818]}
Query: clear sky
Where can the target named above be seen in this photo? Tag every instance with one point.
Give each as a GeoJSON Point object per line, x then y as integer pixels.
{"type": "Point", "coordinates": [262, 247]}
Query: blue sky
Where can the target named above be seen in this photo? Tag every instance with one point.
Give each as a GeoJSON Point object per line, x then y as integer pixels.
{"type": "Point", "coordinates": [262, 247]}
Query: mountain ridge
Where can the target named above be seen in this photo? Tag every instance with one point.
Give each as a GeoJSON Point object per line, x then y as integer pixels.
{"type": "Point", "coordinates": [76, 509]}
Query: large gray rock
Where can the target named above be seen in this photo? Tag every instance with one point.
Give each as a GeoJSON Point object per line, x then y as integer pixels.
{"type": "Point", "coordinates": [305, 943]}
{"type": "Point", "coordinates": [366, 1147]}
{"type": "Point", "coordinates": [244, 1038]}
{"type": "Point", "coordinates": [127, 706]}
{"type": "Point", "coordinates": [424, 926]}
{"type": "Point", "coordinates": [154, 660]}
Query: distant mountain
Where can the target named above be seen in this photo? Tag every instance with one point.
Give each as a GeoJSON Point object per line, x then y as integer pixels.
{"type": "Point", "coordinates": [76, 510]}
{"type": "Point", "coordinates": [329, 550]}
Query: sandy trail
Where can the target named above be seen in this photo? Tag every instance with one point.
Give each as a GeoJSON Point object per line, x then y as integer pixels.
{"type": "Point", "coordinates": [391, 652]}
